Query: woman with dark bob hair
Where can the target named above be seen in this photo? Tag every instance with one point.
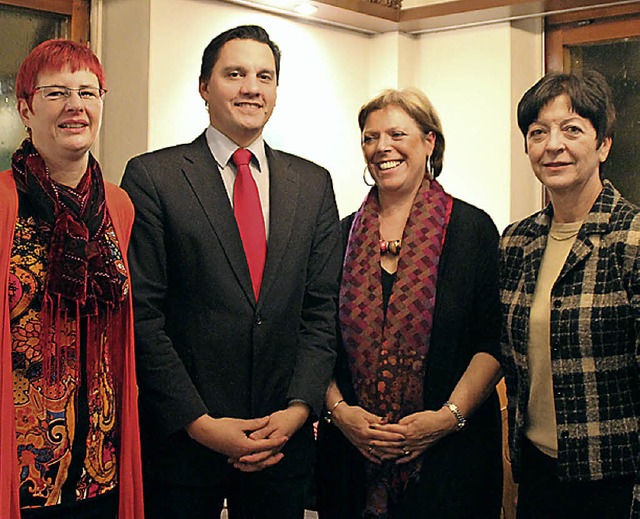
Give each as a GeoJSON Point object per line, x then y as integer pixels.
{"type": "Point", "coordinates": [69, 433]}
{"type": "Point", "coordinates": [570, 290]}
{"type": "Point", "coordinates": [414, 420]}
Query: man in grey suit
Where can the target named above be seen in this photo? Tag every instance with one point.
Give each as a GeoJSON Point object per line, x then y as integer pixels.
{"type": "Point", "coordinates": [234, 351]}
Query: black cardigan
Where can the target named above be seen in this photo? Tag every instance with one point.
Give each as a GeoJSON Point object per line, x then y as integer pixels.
{"type": "Point", "coordinates": [462, 474]}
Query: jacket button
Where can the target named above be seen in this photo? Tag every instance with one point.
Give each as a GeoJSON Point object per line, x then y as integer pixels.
{"type": "Point", "coordinates": [557, 303]}
{"type": "Point", "coordinates": [258, 320]}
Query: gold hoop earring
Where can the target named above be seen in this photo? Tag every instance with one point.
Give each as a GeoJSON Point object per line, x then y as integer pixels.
{"type": "Point", "coordinates": [364, 177]}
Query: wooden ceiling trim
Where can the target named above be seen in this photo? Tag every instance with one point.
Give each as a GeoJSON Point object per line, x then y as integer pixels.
{"type": "Point", "coordinates": [460, 13]}
{"type": "Point", "coordinates": [457, 7]}
{"type": "Point", "coordinates": [54, 6]}
{"type": "Point", "coordinates": [364, 7]}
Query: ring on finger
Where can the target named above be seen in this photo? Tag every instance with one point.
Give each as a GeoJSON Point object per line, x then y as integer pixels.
{"type": "Point", "coordinates": [370, 449]}
{"type": "Point", "coordinates": [406, 451]}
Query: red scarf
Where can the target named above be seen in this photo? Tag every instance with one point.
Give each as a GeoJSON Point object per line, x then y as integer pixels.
{"type": "Point", "coordinates": [81, 268]}
{"type": "Point", "coordinates": [387, 353]}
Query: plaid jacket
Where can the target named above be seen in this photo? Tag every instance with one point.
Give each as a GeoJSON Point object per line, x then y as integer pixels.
{"type": "Point", "coordinates": [595, 332]}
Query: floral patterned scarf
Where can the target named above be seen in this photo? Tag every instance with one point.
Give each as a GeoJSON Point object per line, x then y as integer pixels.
{"type": "Point", "coordinates": [387, 353]}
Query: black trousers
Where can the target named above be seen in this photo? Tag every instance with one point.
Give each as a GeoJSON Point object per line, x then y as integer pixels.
{"type": "Point", "coordinates": [248, 495]}
{"type": "Point", "coordinates": [541, 495]}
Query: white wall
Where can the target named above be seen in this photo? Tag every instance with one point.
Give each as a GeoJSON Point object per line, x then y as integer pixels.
{"type": "Point", "coordinates": [527, 50]}
{"type": "Point", "coordinates": [465, 73]}
{"type": "Point", "coordinates": [475, 78]}
{"type": "Point", "coordinates": [152, 51]}
{"type": "Point", "coordinates": [392, 61]}
{"type": "Point", "coordinates": [124, 46]}
{"type": "Point", "coordinates": [326, 75]}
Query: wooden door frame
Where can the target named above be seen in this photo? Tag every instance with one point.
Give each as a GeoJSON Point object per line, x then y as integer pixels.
{"type": "Point", "coordinates": [78, 10]}
{"type": "Point", "coordinates": [592, 25]}
{"type": "Point", "coordinates": [588, 26]}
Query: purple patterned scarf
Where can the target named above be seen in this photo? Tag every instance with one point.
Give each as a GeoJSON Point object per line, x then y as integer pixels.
{"type": "Point", "coordinates": [387, 354]}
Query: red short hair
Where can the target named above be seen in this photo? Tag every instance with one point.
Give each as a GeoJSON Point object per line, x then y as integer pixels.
{"type": "Point", "coordinates": [54, 55]}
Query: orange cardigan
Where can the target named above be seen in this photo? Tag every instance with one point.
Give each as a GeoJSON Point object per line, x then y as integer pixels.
{"type": "Point", "coordinates": [130, 470]}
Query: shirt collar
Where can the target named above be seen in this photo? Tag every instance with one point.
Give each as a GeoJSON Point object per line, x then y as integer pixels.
{"type": "Point", "coordinates": [222, 148]}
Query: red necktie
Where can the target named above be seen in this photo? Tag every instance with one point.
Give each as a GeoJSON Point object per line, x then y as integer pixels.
{"type": "Point", "coordinates": [248, 213]}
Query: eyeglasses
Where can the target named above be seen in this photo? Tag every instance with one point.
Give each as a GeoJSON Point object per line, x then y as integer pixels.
{"type": "Point", "coordinates": [57, 93]}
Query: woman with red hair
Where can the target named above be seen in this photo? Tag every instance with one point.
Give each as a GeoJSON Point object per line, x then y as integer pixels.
{"type": "Point", "coordinates": [67, 371]}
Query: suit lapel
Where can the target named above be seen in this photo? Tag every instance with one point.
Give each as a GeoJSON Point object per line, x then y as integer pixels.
{"type": "Point", "coordinates": [284, 196]}
{"type": "Point", "coordinates": [202, 174]}
{"type": "Point", "coordinates": [533, 251]}
{"type": "Point", "coordinates": [581, 249]}
{"type": "Point", "coordinates": [596, 223]}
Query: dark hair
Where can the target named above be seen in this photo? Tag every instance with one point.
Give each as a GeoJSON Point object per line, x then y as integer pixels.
{"type": "Point", "coordinates": [242, 32]}
{"type": "Point", "coordinates": [55, 55]}
{"type": "Point", "coordinates": [419, 108]}
{"type": "Point", "coordinates": [588, 92]}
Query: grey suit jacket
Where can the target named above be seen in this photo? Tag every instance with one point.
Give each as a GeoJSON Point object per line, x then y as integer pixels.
{"type": "Point", "coordinates": [203, 343]}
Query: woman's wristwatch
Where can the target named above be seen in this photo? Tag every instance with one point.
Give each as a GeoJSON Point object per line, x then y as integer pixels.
{"type": "Point", "coordinates": [462, 421]}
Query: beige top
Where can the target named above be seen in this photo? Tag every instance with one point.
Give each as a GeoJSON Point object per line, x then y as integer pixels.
{"type": "Point", "coordinates": [541, 426]}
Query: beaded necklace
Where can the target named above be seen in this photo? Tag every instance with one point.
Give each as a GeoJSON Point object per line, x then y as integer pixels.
{"type": "Point", "coordinates": [391, 247]}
